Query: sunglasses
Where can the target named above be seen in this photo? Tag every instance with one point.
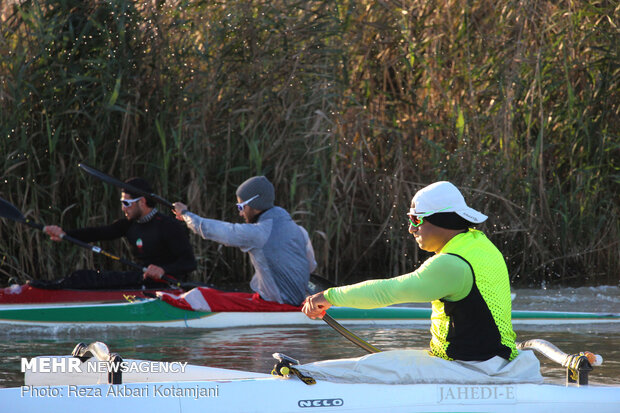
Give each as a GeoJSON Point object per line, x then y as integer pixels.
{"type": "Point", "coordinates": [244, 203]}
{"type": "Point", "coordinates": [417, 220]}
{"type": "Point", "coordinates": [129, 202]}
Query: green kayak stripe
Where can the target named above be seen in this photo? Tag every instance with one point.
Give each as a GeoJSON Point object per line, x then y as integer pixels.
{"type": "Point", "coordinates": [558, 315]}
{"type": "Point", "coordinates": [150, 311]}
{"type": "Point", "coordinates": [143, 311]}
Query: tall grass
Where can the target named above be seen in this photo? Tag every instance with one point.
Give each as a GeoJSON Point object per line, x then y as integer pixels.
{"type": "Point", "coordinates": [349, 107]}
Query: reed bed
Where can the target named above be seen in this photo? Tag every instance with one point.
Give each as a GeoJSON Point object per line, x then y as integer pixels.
{"type": "Point", "coordinates": [349, 107]}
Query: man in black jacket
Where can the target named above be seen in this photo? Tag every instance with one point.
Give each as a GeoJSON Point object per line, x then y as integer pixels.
{"type": "Point", "coordinates": [159, 242]}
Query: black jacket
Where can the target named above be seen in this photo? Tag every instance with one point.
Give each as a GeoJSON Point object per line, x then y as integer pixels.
{"type": "Point", "coordinates": [162, 241]}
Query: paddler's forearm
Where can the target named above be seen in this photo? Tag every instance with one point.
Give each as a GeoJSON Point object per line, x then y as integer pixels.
{"type": "Point", "coordinates": [367, 294]}
{"type": "Point", "coordinates": [244, 236]}
{"type": "Point", "coordinates": [448, 277]}
{"type": "Point", "coordinates": [373, 294]}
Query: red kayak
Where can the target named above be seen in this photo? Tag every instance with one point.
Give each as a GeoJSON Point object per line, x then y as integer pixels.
{"type": "Point", "coordinates": [27, 294]}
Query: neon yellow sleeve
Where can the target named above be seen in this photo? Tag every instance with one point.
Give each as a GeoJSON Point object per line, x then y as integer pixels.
{"type": "Point", "coordinates": [441, 276]}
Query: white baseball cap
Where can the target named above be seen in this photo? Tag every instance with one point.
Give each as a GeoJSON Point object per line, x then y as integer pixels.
{"type": "Point", "coordinates": [443, 196]}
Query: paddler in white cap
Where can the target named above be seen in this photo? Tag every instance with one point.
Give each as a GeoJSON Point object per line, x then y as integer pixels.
{"type": "Point", "coordinates": [466, 280]}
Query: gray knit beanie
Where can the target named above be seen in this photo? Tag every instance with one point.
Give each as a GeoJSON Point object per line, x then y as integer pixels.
{"type": "Point", "coordinates": [257, 185]}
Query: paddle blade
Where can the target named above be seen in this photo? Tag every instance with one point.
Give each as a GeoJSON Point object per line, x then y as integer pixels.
{"type": "Point", "coordinates": [122, 185]}
{"type": "Point", "coordinates": [9, 211]}
{"type": "Point", "coordinates": [107, 178]}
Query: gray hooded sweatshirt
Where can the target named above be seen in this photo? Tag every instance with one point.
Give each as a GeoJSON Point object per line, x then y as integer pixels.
{"type": "Point", "coordinates": [280, 251]}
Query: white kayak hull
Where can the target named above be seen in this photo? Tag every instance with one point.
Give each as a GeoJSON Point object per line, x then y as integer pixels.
{"type": "Point", "coordinates": [275, 394]}
{"type": "Point", "coordinates": [78, 383]}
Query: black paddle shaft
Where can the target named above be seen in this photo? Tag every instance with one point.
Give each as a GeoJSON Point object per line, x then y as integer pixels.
{"type": "Point", "coordinates": [122, 185]}
{"type": "Point", "coordinates": [349, 335]}
{"type": "Point", "coordinates": [8, 210]}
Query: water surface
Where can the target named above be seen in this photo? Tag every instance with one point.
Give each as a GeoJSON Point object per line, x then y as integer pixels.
{"type": "Point", "coordinates": [251, 348]}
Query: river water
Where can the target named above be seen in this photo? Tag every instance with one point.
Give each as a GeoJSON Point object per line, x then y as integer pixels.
{"type": "Point", "coordinates": [251, 348]}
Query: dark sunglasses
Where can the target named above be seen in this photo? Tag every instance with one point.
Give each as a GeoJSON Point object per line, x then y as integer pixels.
{"type": "Point", "coordinates": [417, 220]}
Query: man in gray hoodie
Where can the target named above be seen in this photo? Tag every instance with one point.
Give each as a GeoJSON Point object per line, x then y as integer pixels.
{"type": "Point", "coordinates": [280, 250]}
